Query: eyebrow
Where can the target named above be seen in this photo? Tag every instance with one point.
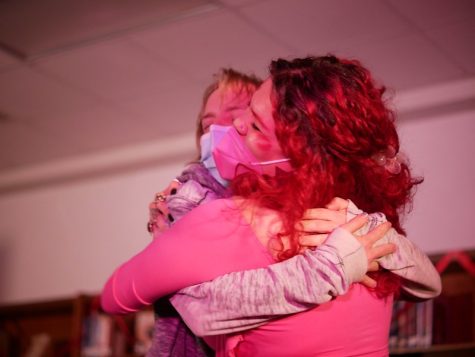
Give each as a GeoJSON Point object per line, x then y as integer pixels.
{"type": "Point", "coordinates": [208, 115]}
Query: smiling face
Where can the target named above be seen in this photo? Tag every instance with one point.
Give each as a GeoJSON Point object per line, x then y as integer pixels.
{"type": "Point", "coordinates": [257, 126]}
{"type": "Point", "coordinates": [223, 106]}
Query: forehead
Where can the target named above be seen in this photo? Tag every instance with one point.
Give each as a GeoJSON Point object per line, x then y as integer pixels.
{"type": "Point", "coordinates": [226, 97]}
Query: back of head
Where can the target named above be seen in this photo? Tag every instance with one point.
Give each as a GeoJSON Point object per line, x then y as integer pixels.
{"type": "Point", "coordinates": [332, 121]}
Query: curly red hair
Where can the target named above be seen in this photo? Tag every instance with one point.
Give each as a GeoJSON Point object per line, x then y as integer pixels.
{"type": "Point", "coordinates": [331, 120]}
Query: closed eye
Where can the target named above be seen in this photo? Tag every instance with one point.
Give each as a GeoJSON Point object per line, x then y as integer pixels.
{"type": "Point", "coordinates": [255, 127]}
{"type": "Point", "coordinates": [206, 123]}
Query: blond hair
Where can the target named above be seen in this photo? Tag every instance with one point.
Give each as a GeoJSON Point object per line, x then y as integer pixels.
{"type": "Point", "coordinates": [227, 78]}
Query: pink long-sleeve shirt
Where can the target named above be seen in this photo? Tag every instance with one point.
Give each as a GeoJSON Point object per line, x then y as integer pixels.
{"type": "Point", "coordinates": [354, 324]}
{"type": "Point", "coordinates": [213, 240]}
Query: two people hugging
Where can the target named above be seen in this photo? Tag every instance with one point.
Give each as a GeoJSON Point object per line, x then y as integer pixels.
{"type": "Point", "coordinates": [252, 245]}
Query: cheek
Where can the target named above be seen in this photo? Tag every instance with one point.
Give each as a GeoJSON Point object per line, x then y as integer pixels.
{"type": "Point", "coordinates": [264, 144]}
{"type": "Point", "coordinates": [262, 148]}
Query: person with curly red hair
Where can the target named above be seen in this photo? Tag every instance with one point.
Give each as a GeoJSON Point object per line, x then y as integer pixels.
{"type": "Point", "coordinates": [317, 129]}
{"type": "Point", "coordinates": [332, 122]}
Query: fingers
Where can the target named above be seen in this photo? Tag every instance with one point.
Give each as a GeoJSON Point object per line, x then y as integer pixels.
{"type": "Point", "coordinates": [321, 220]}
{"type": "Point", "coordinates": [377, 233]}
{"type": "Point", "coordinates": [337, 204]}
{"type": "Point", "coordinates": [368, 282]}
{"type": "Point", "coordinates": [380, 251]}
{"type": "Point", "coordinates": [161, 224]}
{"type": "Point", "coordinates": [356, 223]}
{"type": "Point", "coordinates": [157, 208]}
{"type": "Point", "coordinates": [159, 215]}
{"type": "Point", "coordinates": [171, 189]}
{"type": "Point", "coordinates": [312, 240]}
{"type": "Point", "coordinates": [162, 208]}
{"type": "Point", "coordinates": [321, 213]}
{"type": "Point", "coordinates": [317, 226]}
{"type": "Point", "coordinates": [373, 266]}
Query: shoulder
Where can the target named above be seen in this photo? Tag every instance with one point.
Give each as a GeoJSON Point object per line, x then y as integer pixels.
{"type": "Point", "coordinates": [216, 211]}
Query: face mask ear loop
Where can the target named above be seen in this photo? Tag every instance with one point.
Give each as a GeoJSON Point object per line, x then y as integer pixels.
{"type": "Point", "coordinates": [278, 161]}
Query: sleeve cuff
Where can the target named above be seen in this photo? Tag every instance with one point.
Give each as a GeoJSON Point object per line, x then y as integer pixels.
{"type": "Point", "coordinates": [351, 252]}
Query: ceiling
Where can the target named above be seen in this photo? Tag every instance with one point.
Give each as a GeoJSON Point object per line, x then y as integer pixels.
{"type": "Point", "coordinates": [81, 77]}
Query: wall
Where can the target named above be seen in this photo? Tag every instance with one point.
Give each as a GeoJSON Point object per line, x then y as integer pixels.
{"type": "Point", "coordinates": [65, 239]}
{"type": "Point", "coordinates": [442, 149]}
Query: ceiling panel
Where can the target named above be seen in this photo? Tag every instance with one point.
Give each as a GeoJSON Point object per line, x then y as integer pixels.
{"type": "Point", "coordinates": [428, 14]}
{"type": "Point", "coordinates": [163, 113]}
{"type": "Point", "coordinates": [7, 61]}
{"type": "Point", "coordinates": [57, 25]}
{"type": "Point", "coordinates": [458, 42]}
{"type": "Point", "coordinates": [392, 62]}
{"type": "Point", "coordinates": [29, 94]}
{"type": "Point", "coordinates": [318, 27]}
{"type": "Point", "coordinates": [238, 3]}
{"type": "Point", "coordinates": [202, 45]}
{"type": "Point", "coordinates": [114, 70]}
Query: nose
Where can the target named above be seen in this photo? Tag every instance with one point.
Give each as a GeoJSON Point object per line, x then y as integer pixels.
{"type": "Point", "coordinates": [240, 125]}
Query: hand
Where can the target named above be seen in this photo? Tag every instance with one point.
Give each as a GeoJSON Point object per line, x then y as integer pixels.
{"type": "Point", "coordinates": [159, 216]}
{"type": "Point", "coordinates": [367, 241]}
{"type": "Point", "coordinates": [317, 223]}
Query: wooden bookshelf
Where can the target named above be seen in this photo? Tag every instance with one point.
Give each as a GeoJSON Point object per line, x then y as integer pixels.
{"type": "Point", "coordinates": [452, 350]}
{"type": "Point", "coordinates": [454, 312]}
{"type": "Point", "coordinates": [60, 321]}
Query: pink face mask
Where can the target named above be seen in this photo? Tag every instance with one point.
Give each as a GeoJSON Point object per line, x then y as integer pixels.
{"type": "Point", "coordinates": [232, 156]}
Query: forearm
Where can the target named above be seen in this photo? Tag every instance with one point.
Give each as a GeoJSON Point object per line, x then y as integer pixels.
{"type": "Point", "coordinates": [157, 271]}
{"type": "Point", "coordinates": [247, 299]}
{"type": "Point", "coordinates": [140, 281]}
{"type": "Point", "coordinates": [420, 279]}
{"type": "Point", "coordinates": [181, 257]}
{"type": "Point", "coordinates": [117, 300]}
{"type": "Point", "coordinates": [419, 276]}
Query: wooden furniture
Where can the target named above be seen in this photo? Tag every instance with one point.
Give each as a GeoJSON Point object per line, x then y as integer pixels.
{"type": "Point", "coordinates": [59, 321]}
{"type": "Point", "coordinates": [454, 309]}
{"type": "Point", "coordinates": [54, 327]}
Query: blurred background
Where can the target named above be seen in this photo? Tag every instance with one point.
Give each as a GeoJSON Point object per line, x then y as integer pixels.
{"type": "Point", "coordinates": [98, 102]}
